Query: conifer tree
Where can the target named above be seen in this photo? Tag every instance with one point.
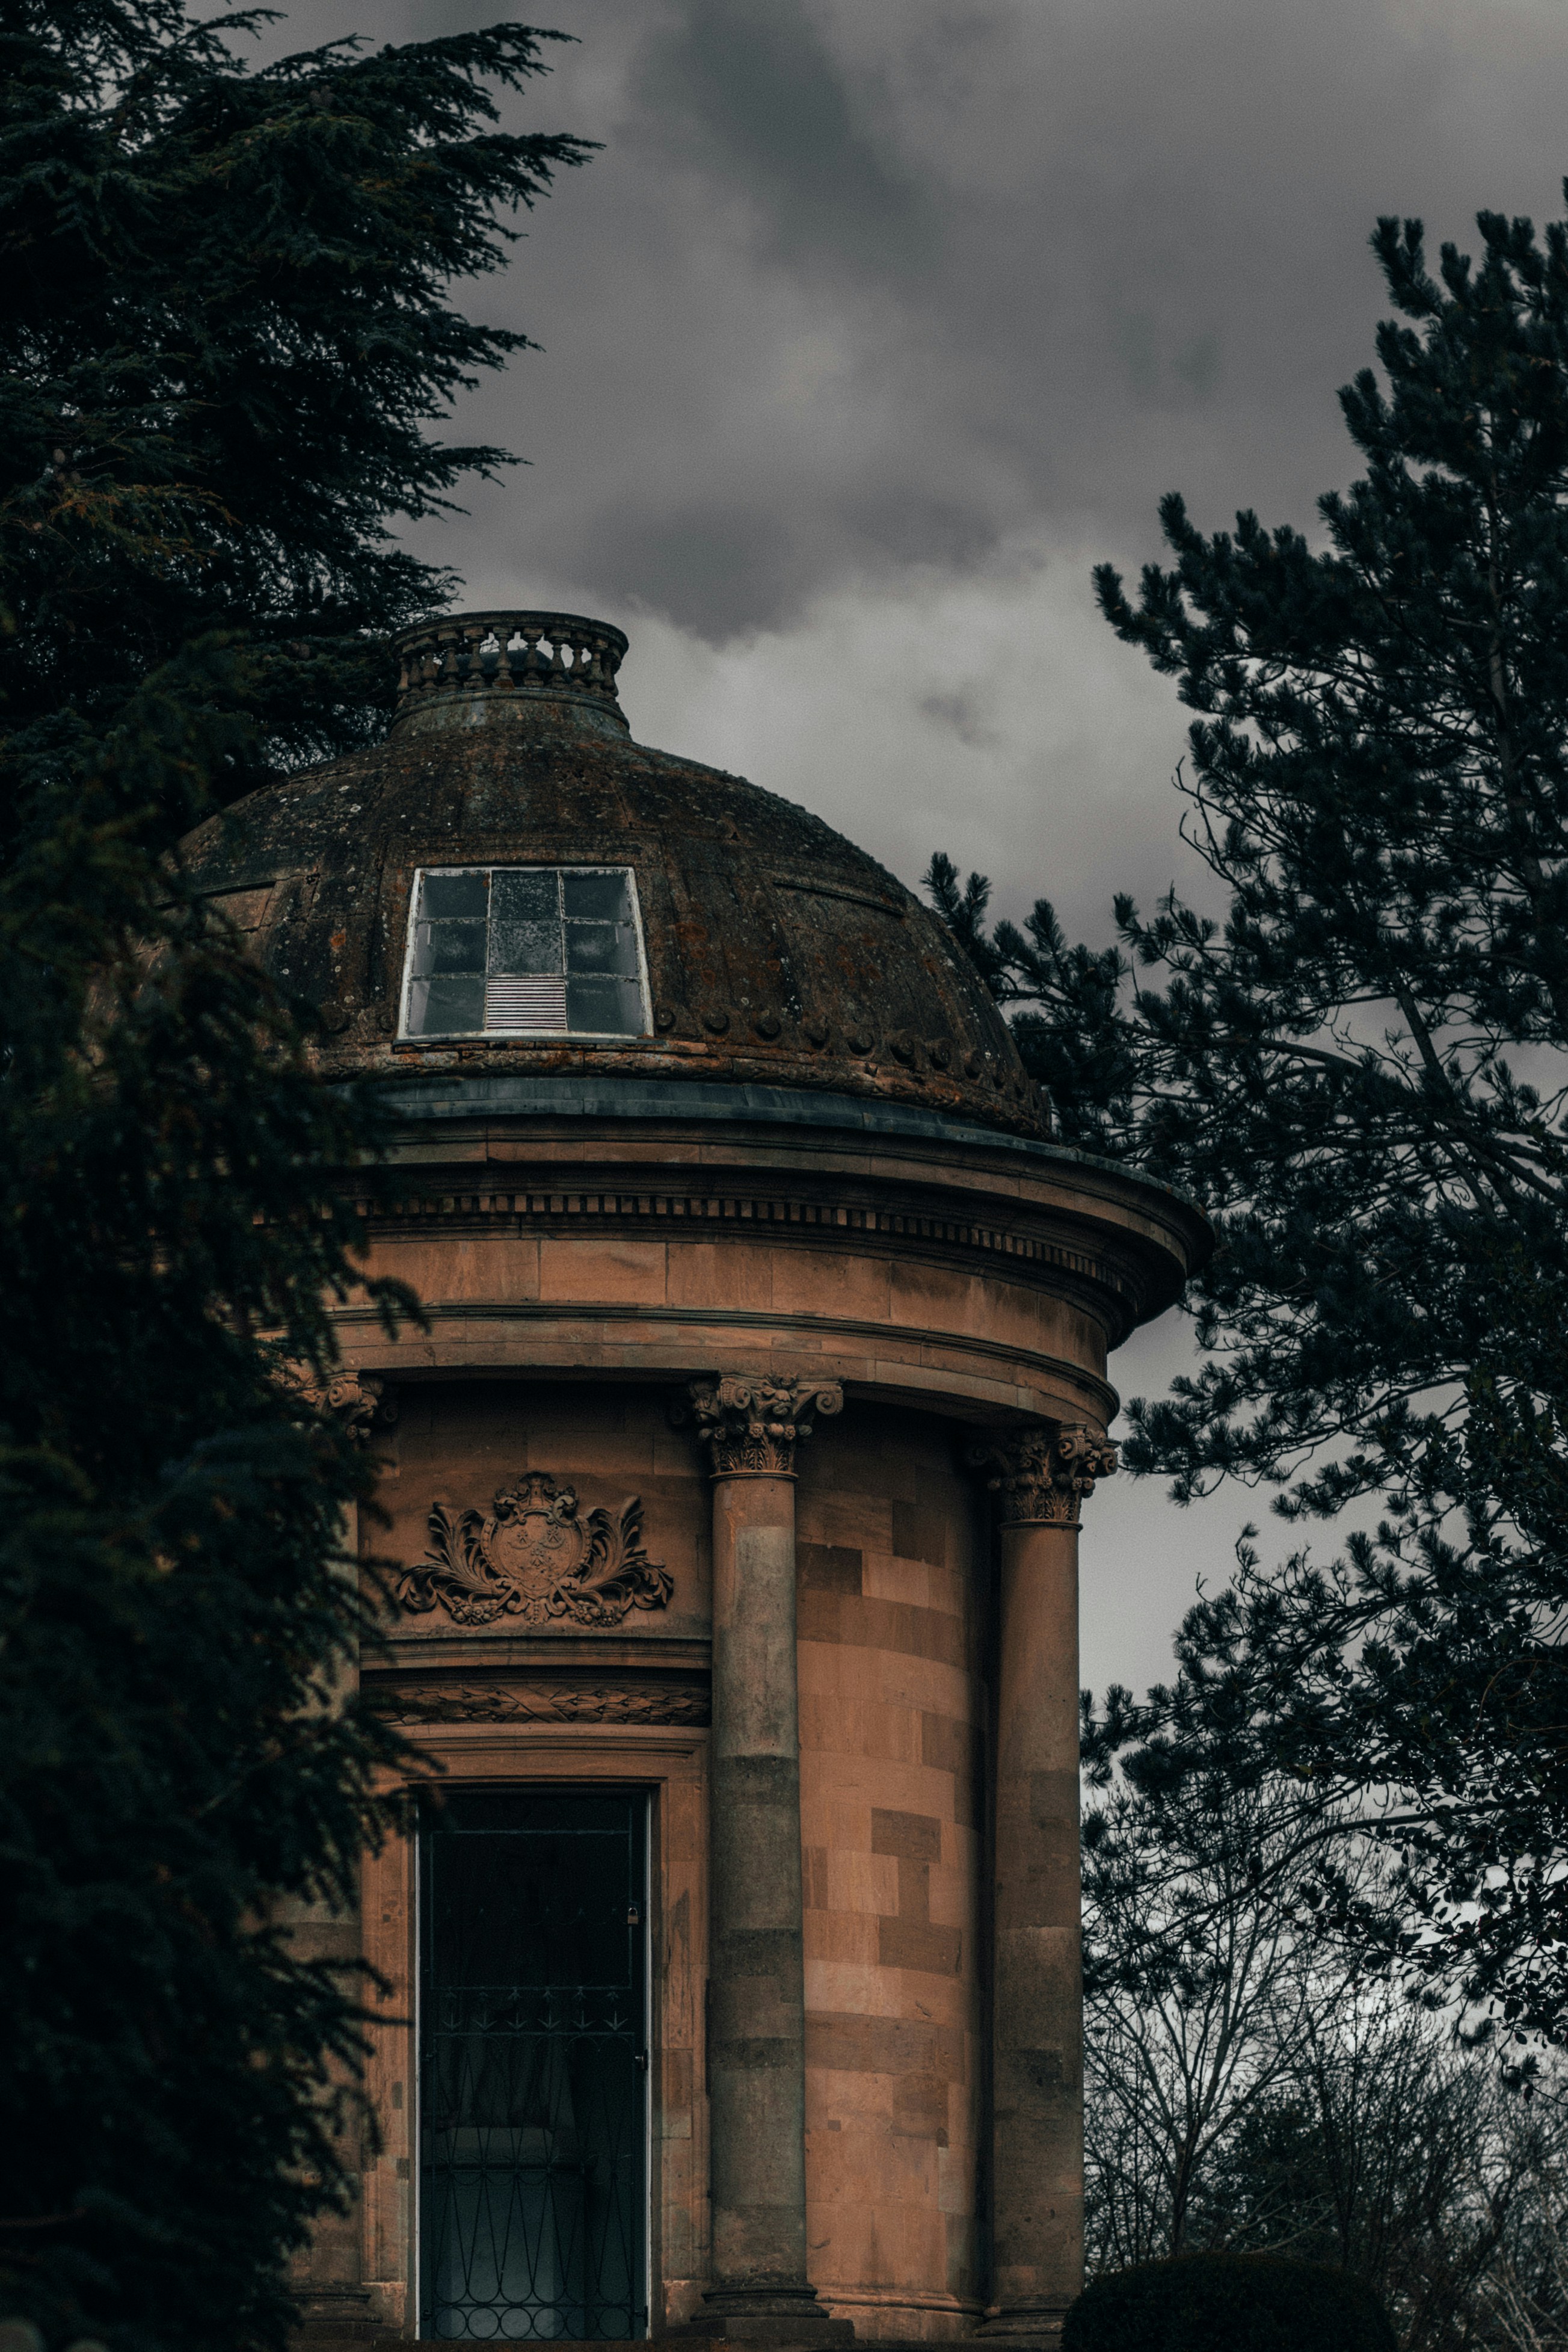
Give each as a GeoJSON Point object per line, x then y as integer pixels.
{"type": "Point", "coordinates": [227, 339]}
{"type": "Point", "coordinates": [1362, 1071]}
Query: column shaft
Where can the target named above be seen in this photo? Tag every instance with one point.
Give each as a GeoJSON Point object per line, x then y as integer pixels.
{"type": "Point", "coordinates": [329, 2273]}
{"type": "Point", "coordinates": [1041, 1476]}
{"type": "Point", "coordinates": [756, 2050]}
{"type": "Point", "coordinates": [1038, 2030]}
{"type": "Point", "coordinates": [756, 2008]}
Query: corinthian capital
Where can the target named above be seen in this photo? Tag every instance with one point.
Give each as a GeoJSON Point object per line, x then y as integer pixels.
{"type": "Point", "coordinates": [750, 1426]}
{"type": "Point", "coordinates": [1044, 1474]}
{"type": "Point", "coordinates": [358, 1400]}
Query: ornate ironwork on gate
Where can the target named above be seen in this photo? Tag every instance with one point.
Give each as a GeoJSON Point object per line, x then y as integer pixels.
{"type": "Point", "coordinates": [533, 2068]}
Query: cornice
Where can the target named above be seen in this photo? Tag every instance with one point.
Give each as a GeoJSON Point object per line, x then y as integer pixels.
{"type": "Point", "coordinates": [538, 1656]}
{"type": "Point", "coordinates": [528, 1105]}
{"type": "Point", "coordinates": [746, 1322]}
{"type": "Point", "coordinates": [420, 1090]}
{"type": "Point", "coordinates": [1022, 1248]}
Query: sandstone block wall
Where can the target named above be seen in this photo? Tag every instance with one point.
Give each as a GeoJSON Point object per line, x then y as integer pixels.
{"type": "Point", "coordinates": [893, 1615]}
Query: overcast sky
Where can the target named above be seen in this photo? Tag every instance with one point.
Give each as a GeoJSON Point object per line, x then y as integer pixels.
{"type": "Point", "coordinates": [877, 323]}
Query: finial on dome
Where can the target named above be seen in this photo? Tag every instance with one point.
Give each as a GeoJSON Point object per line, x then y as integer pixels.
{"type": "Point", "coordinates": [464, 666]}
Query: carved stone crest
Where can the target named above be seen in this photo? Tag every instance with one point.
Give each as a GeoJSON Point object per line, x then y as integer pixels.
{"type": "Point", "coordinates": [534, 1555]}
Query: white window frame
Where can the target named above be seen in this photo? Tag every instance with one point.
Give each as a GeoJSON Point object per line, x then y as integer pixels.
{"type": "Point", "coordinates": [406, 1037]}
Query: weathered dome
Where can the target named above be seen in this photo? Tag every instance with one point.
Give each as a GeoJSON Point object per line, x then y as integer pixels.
{"type": "Point", "coordinates": [696, 926]}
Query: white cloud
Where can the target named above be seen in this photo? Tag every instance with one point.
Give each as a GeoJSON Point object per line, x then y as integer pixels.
{"type": "Point", "coordinates": [992, 715]}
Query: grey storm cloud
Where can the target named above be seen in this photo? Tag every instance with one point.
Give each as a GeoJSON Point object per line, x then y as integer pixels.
{"type": "Point", "coordinates": [748, 92]}
{"type": "Point", "coordinates": [861, 285]}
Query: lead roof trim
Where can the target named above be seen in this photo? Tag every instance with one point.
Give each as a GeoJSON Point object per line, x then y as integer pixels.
{"type": "Point", "coordinates": [502, 1095]}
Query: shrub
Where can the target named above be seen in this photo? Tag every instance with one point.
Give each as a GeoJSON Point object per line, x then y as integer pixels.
{"type": "Point", "coordinates": [1228, 2303]}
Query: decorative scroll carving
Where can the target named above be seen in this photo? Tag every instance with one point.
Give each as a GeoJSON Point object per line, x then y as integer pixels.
{"type": "Point", "coordinates": [360, 1400]}
{"type": "Point", "coordinates": [1044, 1474]}
{"type": "Point", "coordinates": [533, 1556]}
{"type": "Point", "coordinates": [509, 1704]}
{"type": "Point", "coordinates": [750, 1426]}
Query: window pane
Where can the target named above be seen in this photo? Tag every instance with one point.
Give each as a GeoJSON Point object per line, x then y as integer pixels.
{"type": "Point", "coordinates": [604, 1007]}
{"type": "Point", "coordinates": [455, 894]}
{"type": "Point", "coordinates": [525, 920]}
{"type": "Point", "coordinates": [491, 954]}
{"type": "Point", "coordinates": [602, 895]}
{"type": "Point", "coordinates": [448, 947]}
{"type": "Point", "coordinates": [437, 1007]}
{"type": "Point", "coordinates": [600, 947]}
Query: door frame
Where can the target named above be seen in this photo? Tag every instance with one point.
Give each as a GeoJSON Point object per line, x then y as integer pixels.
{"type": "Point", "coordinates": [669, 1766]}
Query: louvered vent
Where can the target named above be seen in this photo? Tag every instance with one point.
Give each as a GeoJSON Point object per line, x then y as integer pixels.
{"type": "Point", "coordinates": [532, 1006]}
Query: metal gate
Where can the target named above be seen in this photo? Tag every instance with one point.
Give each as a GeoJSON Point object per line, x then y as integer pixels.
{"type": "Point", "coordinates": [533, 2067]}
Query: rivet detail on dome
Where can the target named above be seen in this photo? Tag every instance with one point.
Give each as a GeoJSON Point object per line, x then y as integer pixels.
{"type": "Point", "coordinates": [717, 1019]}
{"type": "Point", "coordinates": [767, 1024]}
{"type": "Point", "coordinates": [663, 1017]}
{"type": "Point", "coordinates": [815, 1030]}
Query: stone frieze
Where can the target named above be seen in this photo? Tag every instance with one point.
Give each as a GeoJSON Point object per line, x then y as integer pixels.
{"type": "Point", "coordinates": [508, 1704]}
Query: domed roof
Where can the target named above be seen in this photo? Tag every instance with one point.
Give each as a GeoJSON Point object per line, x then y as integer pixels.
{"type": "Point", "coordinates": [510, 883]}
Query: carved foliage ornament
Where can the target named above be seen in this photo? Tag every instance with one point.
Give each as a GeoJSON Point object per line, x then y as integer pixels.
{"type": "Point", "coordinates": [1044, 1474]}
{"type": "Point", "coordinates": [358, 1401]}
{"type": "Point", "coordinates": [547, 1706]}
{"type": "Point", "coordinates": [534, 1555]}
{"type": "Point", "coordinates": [750, 1426]}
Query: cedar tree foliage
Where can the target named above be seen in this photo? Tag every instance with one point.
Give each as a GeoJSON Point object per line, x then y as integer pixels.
{"type": "Point", "coordinates": [226, 336]}
{"type": "Point", "coordinates": [1360, 1072]}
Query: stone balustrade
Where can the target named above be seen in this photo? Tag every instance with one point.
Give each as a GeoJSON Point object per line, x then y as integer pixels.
{"type": "Point", "coordinates": [503, 653]}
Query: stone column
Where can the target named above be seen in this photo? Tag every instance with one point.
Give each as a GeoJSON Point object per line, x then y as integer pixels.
{"type": "Point", "coordinates": [1039, 1477]}
{"type": "Point", "coordinates": [757, 2011]}
{"type": "Point", "coordinates": [328, 2274]}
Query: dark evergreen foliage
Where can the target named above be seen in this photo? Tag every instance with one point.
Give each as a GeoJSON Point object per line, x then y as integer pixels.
{"type": "Point", "coordinates": [224, 306]}
{"type": "Point", "coordinates": [1360, 1072]}
{"type": "Point", "coordinates": [226, 332]}
{"type": "Point", "coordinates": [1228, 2303]}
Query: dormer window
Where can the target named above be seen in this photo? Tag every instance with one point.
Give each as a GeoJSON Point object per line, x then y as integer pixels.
{"type": "Point", "coordinates": [524, 951]}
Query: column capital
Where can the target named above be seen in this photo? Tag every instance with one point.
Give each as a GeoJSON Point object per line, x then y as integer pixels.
{"type": "Point", "coordinates": [1043, 1475]}
{"type": "Point", "coordinates": [359, 1401]}
{"type": "Point", "coordinates": [750, 1425]}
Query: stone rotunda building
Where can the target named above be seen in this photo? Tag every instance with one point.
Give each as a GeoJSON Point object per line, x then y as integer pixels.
{"type": "Point", "coordinates": [734, 1489]}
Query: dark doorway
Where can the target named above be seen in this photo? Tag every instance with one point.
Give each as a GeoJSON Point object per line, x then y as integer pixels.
{"type": "Point", "coordinates": [533, 2068]}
